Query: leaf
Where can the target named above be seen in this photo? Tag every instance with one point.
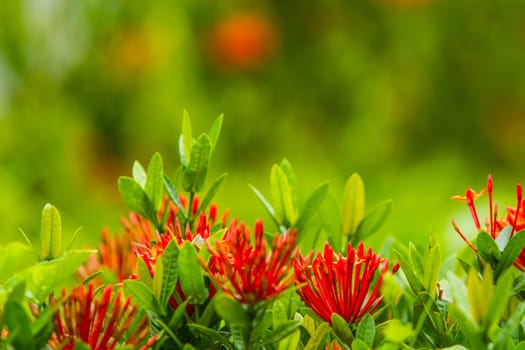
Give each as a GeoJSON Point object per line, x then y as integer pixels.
{"type": "Point", "coordinates": [194, 176]}
{"type": "Point", "coordinates": [50, 233]}
{"type": "Point", "coordinates": [317, 337]}
{"type": "Point", "coordinates": [468, 327]}
{"type": "Point", "coordinates": [374, 219]}
{"type": "Point", "coordinates": [14, 256]}
{"type": "Point", "coordinates": [287, 169]}
{"type": "Point", "coordinates": [498, 300]}
{"type": "Point", "coordinates": [366, 330]}
{"type": "Point", "coordinates": [409, 271]}
{"type": "Point", "coordinates": [169, 272]}
{"type": "Point", "coordinates": [212, 191]}
{"type": "Point", "coordinates": [144, 274]}
{"type": "Point", "coordinates": [415, 262]}
{"type": "Point", "coordinates": [397, 332]}
{"type": "Point", "coordinates": [511, 253]}
{"type": "Point", "coordinates": [513, 322]}
{"type": "Point", "coordinates": [281, 332]}
{"type": "Point", "coordinates": [432, 266]}
{"type": "Point", "coordinates": [139, 174]}
{"type": "Point", "coordinates": [190, 274]}
{"type": "Point", "coordinates": [503, 237]}
{"type": "Point", "coordinates": [18, 325]}
{"type": "Point", "coordinates": [487, 248]}
{"type": "Point", "coordinates": [143, 296]}
{"type": "Point", "coordinates": [290, 342]}
{"type": "Point", "coordinates": [174, 196]}
{"type": "Point", "coordinates": [358, 344]}
{"type": "Point", "coordinates": [311, 207]}
{"type": "Point", "coordinates": [215, 130]}
{"type": "Point", "coordinates": [186, 140]}
{"type": "Point", "coordinates": [330, 214]}
{"type": "Point", "coordinates": [230, 310]}
{"type": "Point", "coordinates": [266, 204]}
{"type": "Point", "coordinates": [216, 336]}
{"type": "Point", "coordinates": [282, 195]}
{"type": "Point", "coordinates": [136, 198]}
{"type": "Point", "coordinates": [154, 187]}
{"type": "Point", "coordinates": [353, 204]}
{"type": "Point", "coordinates": [479, 293]}
{"type": "Point", "coordinates": [341, 329]}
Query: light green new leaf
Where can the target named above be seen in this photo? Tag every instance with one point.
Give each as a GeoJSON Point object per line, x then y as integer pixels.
{"type": "Point", "coordinates": [511, 253]}
{"type": "Point", "coordinates": [136, 198]}
{"type": "Point", "coordinates": [366, 330]}
{"type": "Point", "coordinates": [498, 300]}
{"type": "Point", "coordinates": [353, 204]}
{"type": "Point", "coordinates": [282, 331]}
{"type": "Point", "coordinates": [397, 332]}
{"type": "Point", "coordinates": [186, 140]}
{"type": "Point", "coordinates": [358, 344]}
{"type": "Point", "coordinates": [190, 274]}
{"type": "Point", "coordinates": [139, 174]}
{"type": "Point", "coordinates": [287, 169]}
{"type": "Point", "coordinates": [283, 202]}
{"type": "Point", "coordinates": [479, 293]}
{"type": "Point", "coordinates": [432, 264]}
{"type": "Point", "coordinates": [374, 219]}
{"type": "Point", "coordinates": [415, 262]}
{"type": "Point", "coordinates": [194, 175]}
{"type": "Point", "coordinates": [154, 187]}
{"type": "Point", "coordinates": [317, 337]}
{"type": "Point", "coordinates": [143, 296]}
{"type": "Point", "coordinates": [15, 256]}
{"type": "Point", "coordinates": [50, 233]}
{"type": "Point", "coordinates": [215, 130]}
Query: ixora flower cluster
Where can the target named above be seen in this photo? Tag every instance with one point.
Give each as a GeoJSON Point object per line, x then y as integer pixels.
{"type": "Point", "coordinates": [182, 276]}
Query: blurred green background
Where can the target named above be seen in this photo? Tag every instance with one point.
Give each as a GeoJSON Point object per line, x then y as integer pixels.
{"type": "Point", "coordinates": [422, 97]}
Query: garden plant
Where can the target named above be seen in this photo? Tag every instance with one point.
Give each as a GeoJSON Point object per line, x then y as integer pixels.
{"type": "Point", "coordinates": [184, 273]}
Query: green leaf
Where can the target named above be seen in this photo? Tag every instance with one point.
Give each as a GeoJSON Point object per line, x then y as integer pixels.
{"type": "Point", "coordinates": [498, 300]}
{"type": "Point", "coordinates": [468, 327]}
{"type": "Point", "coordinates": [409, 271]}
{"type": "Point", "coordinates": [317, 337]}
{"type": "Point", "coordinates": [511, 253]}
{"type": "Point", "coordinates": [290, 342]}
{"type": "Point", "coordinates": [330, 214]}
{"type": "Point", "coordinates": [374, 219]}
{"type": "Point", "coordinates": [214, 188]}
{"type": "Point", "coordinates": [186, 140]}
{"type": "Point", "coordinates": [18, 325]}
{"type": "Point", "coordinates": [194, 176]}
{"type": "Point", "coordinates": [14, 257]}
{"type": "Point", "coordinates": [215, 130]}
{"type": "Point", "coordinates": [503, 237]}
{"type": "Point", "coordinates": [415, 262]}
{"type": "Point", "coordinates": [230, 310]}
{"type": "Point", "coordinates": [397, 332]}
{"type": "Point", "coordinates": [311, 207]}
{"type": "Point", "coordinates": [341, 329]}
{"type": "Point", "coordinates": [143, 296]}
{"type": "Point", "coordinates": [479, 293]}
{"type": "Point", "coordinates": [50, 233]}
{"type": "Point", "coordinates": [432, 264]}
{"type": "Point", "coordinates": [287, 169]}
{"type": "Point", "coordinates": [358, 344]}
{"type": "Point", "coordinates": [281, 332]}
{"type": "Point", "coordinates": [513, 322]}
{"type": "Point", "coordinates": [169, 272]}
{"type": "Point", "coordinates": [214, 335]}
{"type": "Point", "coordinates": [174, 196]}
{"type": "Point", "coordinates": [366, 330]}
{"type": "Point", "coordinates": [136, 198]}
{"type": "Point", "coordinates": [190, 274]}
{"type": "Point", "coordinates": [282, 195]}
{"type": "Point", "coordinates": [154, 187]}
{"type": "Point", "coordinates": [353, 204]}
{"type": "Point", "coordinates": [144, 274]}
{"type": "Point", "coordinates": [487, 248]}
{"type": "Point", "coordinates": [139, 174]}
{"type": "Point", "coordinates": [266, 204]}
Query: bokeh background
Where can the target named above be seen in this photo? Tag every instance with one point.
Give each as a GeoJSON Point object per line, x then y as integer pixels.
{"type": "Point", "coordinates": [423, 98]}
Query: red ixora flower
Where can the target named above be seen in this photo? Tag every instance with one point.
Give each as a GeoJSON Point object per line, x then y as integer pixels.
{"type": "Point", "coordinates": [101, 322]}
{"type": "Point", "coordinates": [515, 217]}
{"type": "Point", "coordinates": [345, 285]}
{"type": "Point", "coordinates": [249, 271]}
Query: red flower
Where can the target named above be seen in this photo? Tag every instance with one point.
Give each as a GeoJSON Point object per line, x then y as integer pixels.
{"type": "Point", "coordinates": [345, 285]}
{"type": "Point", "coordinates": [101, 322]}
{"type": "Point", "coordinates": [249, 271]}
{"type": "Point", "coordinates": [515, 217]}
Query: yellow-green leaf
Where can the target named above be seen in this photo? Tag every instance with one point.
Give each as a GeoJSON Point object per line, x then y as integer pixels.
{"type": "Point", "coordinates": [50, 233]}
{"type": "Point", "coordinates": [353, 204]}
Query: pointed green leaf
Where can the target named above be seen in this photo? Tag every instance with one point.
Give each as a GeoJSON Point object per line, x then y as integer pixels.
{"type": "Point", "coordinates": [290, 342]}
{"type": "Point", "coordinates": [266, 204]}
{"type": "Point", "coordinates": [190, 274]}
{"type": "Point", "coordinates": [498, 300]}
{"type": "Point", "coordinates": [195, 173]}
{"type": "Point", "coordinates": [366, 330]}
{"type": "Point", "coordinates": [169, 272]}
{"type": "Point", "coordinates": [503, 237]}
{"type": "Point", "coordinates": [432, 266]}
{"type": "Point", "coordinates": [512, 323]}
{"type": "Point", "coordinates": [468, 327]}
{"type": "Point", "coordinates": [144, 274]}
{"type": "Point", "coordinates": [18, 326]}
{"type": "Point", "coordinates": [487, 248]}
{"type": "Point", "coordinates": [216, 336]}
{"type": "Point", "coordinates": [215, 130]}
{"type": "Point", "coordinates": [50, 233]}
{"type": "Point", "coordinates": [214, 188]}
{"type": "Point", "coordinates": [287, 169]}
{"type": "Point", "coordinates": [136, 198]}
{"type": "Point", "coordinates": [358, 344]}
{"type": "Point", "coordinates": [154, 187]}
{"type": "Point", "coordinates": [186, 140]}
{"type": "Point", "coordinates": [139, 174]}
{"type": "Point", "coordinates": [511, 253]}
{"type": "Point", "coordinates": [353, 204]}
{"type": "Point", "coordinates": [415, 262]}
{"type": "Point", "coordinates": [479, 293]}
{"type": "Point", "coordinates": [311, 207]}
{"type": "Point", "coordinates": [409, 271]}
{"type": "Point", "coordinates": [174, 196]}
{"type": "Point", "coordinates": [317, 337]}
{"type": "Point", "coordinates": [341, 329]}
{"type": "Point", "coordinates": [281, 332]}
{"type": "Point", "coordinates": [230, 310]}
{"type": "Point", "coordinates": [143, 296]}
{"type": "Point", "coordinates": [14, 256]}
{"type": "Point", "coordinates": [283, 202]}
{"type": "Point", "coordinates": [374, 219]}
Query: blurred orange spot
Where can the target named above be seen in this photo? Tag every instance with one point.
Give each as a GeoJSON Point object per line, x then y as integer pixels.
{"type": "Point", "coordinates": [242, 40]}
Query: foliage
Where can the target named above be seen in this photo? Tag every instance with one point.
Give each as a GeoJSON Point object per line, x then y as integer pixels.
{"type": "Point", "coordinates": [200, 282]}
